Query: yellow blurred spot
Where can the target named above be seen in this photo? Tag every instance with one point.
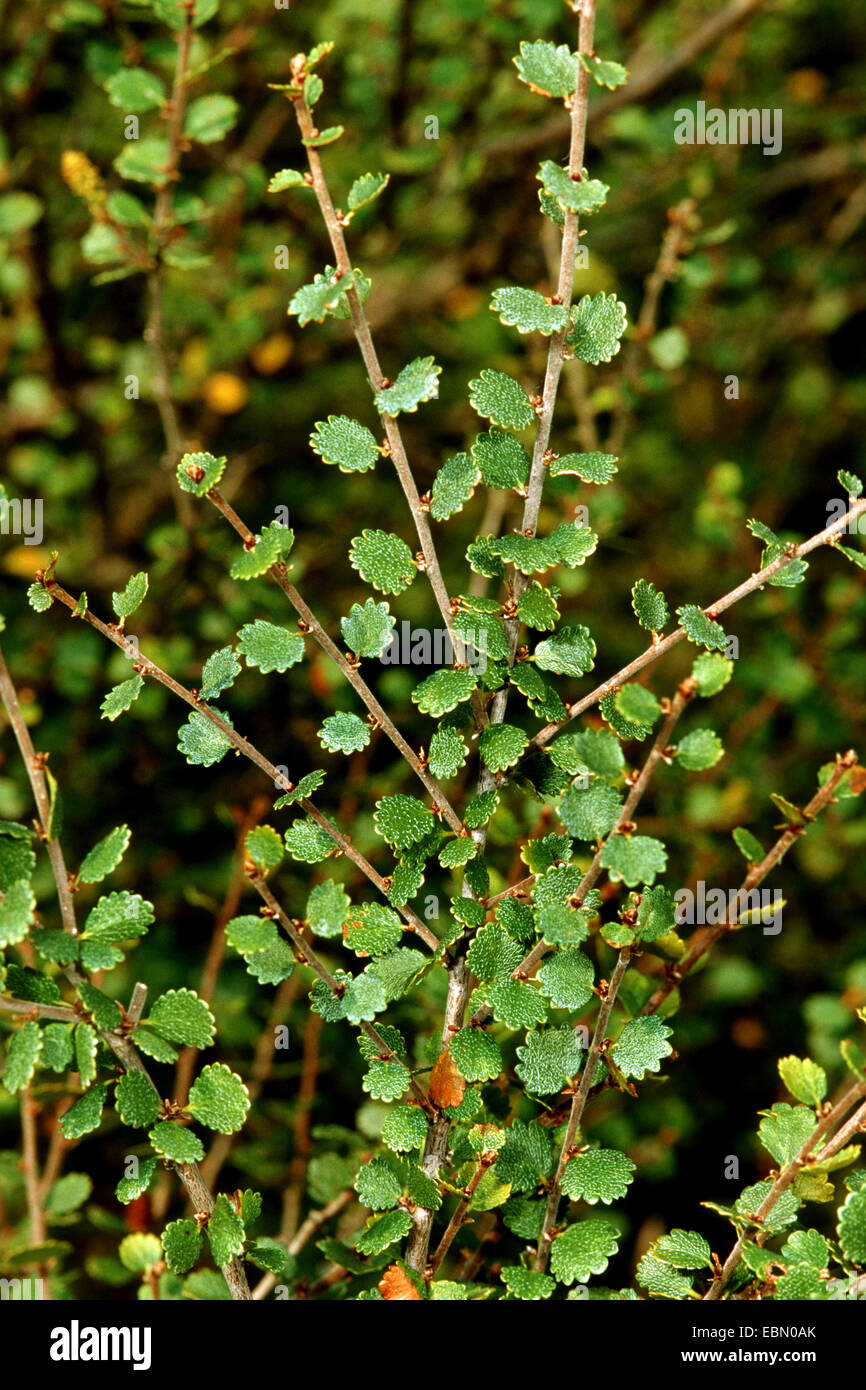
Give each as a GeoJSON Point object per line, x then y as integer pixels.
{"type": "Point", "coordinates": [225, 393]}
{"type": "Point", "coordinates": [194, 359]}
{"type": "Point", "coordinates": [273, 353]}
{"type": "Point", "coordinates": [25, 560]}
{"type": "Point", "coordinates": [463, 302]}
{"type": "Point", "coordinates": [807, 85]}
{"type": "Point", "coordinates": [83, 178]}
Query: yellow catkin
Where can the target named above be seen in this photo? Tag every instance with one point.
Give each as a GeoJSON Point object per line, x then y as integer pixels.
{"type": "Point", "coordinates": [225, 393]}
{"type": "Point", "coordinates": [83, 178]}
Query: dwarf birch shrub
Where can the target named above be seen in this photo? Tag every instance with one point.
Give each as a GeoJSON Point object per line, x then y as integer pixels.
{"type": "Point", "coordinates": [492, 1032]}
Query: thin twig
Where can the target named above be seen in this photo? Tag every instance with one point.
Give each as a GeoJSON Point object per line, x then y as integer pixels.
{"type": "Point", "coordinates": [154, 332]}
{"type": "Point", "coordinates": [459, 1215]}
{"type": "Point", "coordinates": [120, 1045]}
{"type": "Point", "coordinates": [657, 649]}
{"type": "Point", "coordinates": [30, 1164]}
{"type": "Point", "coordinates": [785, 1178]}
{"type": "Point", "coordinates": [311, 624]}
{"type": "Point", "coordinates": [260, 1071]}
{"type": "Point", "coordinates": [436, 1145]}
{"type": "Point", "coordinates": [305, 951]}
{"type": "Point", "coordinates": [377, 379]}
{"type": "Point", "coordinates": [216, 951]}
{"type": "Point", "coordinates": [304, 1099]}
{"type": "Point", "coordinates": [35, 765]}
{"type": "Point", "coordinates": [439, 1129]}
{"type": "Point", "coordinates": [145, 667]}
{"type": "Point", "coordinates": [136, 1004]}
{"type": "Point", "coordinates": [702, 941]}
{"type": "Point", "coordinates": [578, 1104]}
{"type": "Point", "coordinates": [530, 962]}
{"type": "Point", "coordinates": [305, 1232]}
{"type": "Point", "coordinates": [643, 81]}
{"type": "Point", "coordinates": [128, 1056]}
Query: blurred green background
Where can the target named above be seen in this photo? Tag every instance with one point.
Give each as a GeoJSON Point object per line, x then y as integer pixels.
{"type": "Point", "coordinates": [768, 286]}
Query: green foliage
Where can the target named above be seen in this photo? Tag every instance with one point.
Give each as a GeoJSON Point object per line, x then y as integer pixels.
{"type": "Point", "coordinates": [85, 1114]}
{"type": "Point", "coordinates": [131, 597]}
{"type": "Point", "coordinates": [105, 856]}
{"type": "Point", "coordinates": [569, 652]}
{"type": "Point", "coordinates": [548, 1060]}
{"type": "Point", "coordinates": [417, 382]}
{"type": "Point", "coordinates": [502, 400]}
{"type": "Point", "coordinates": [181, 1241]}
{"type": "Point", "coordinates": [548, 70]}
{"type": "Point", "coordinates": [528, 311]}
{"type": "Point", "coordinates": [573, 195]}
{"type": "Point", "coordinates": [590, 468]}
{"type": "Point", "coordinates": [501, 460]}
{"type": "Point", "coordinates": [701, 629]}
{"type": "Point", "coordinates": [268, 647]}
{"type": "Point", "coordinates": [367, 628]}
{"type": "Point", "coordinates": [600, 1175]}
{"type": "Point", "coordinates": [198, 473]}
{"type": "Point", "coordinates": [402, 820]}
{"type": "Point", "coordinates": [121, 697]}
{"type": "Point", "coordinates": [173, 1142]}
{"type": "Point", "coordinates": [344, 733]}
{"type": "Point", "coordinates": [650, 606]}
{"type": "Point", "coordinates": [383, 560]}
{"type": "Point", "coordinates": [699, 750]}
{"type": "Point", "coordinates": [804, 1079]}
{"type": "Point", "coordinates": [501, 745]}
{"type": "Point", "coordinates": [271, 547]}
{"type": "Point", "coordinates": [22, 1056]}
{"type": "Point", "coordinates": [484, 962]}
{"type": "Point", "coordinates": [201, 741]}
{"type": "Point", "coordinates": [345, 442]}
{"type": "Point", "coordinates": [597, 324]}
{"type": "Point", "coordinates": [582, 1250]}
{"type": "Point", "coordinates": [182, 1017]}
{"type": "Point", "coordinates": [453, 486]}
{"type": "Point", "coordinates": [634, 858]}
{"type": "Point", "coordinates": [136, 1101]}
{"type": "Point", "coordinates": [641, 1046]}
{"type": "Point", "coordinates": [219, 1099]}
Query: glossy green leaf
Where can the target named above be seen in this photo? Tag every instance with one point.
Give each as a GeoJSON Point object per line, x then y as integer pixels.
{"type": "Point", "coordinates": [582, 1250]}
{"type": "Point", "coordinates": [346, 443]}
{"type": "Point", "coordinates": [591, 468]}
{"type": "Point", "coordinates": [344, 733]}
{"type": "Point", "coordinates": [528, 311]}
{"type": "Point", "coordinates": [701, 629]}
{"type": "Point", "coordinates": [129, 598]}
{"type": "Point", "coordinates": [201, 742]}
{"type": "Point", "coordinates": [219, 1099]}
{"type": "Point", "coordinates": [416, 383]}
{"type": "Point", "coordinates": [547, 69]}
{"type": "Point", "coordinates": [383, 560]}
{"type": "Point", "coordinates": [599, 1175]}
{"type": "Point", "coordinates": [699, 750]}
{"type": "Point", "coordinates": [597, 324]}
{"type": "Point", "coordinates": [210, 118]}
{"type": "Point", "coordinates": [105, 856]}
{"type": "Point", "coordinates": [453, 486]}
{"type": "Point", "coordinates": [25, 1046]}
{"type": "Point", "coordinates": [641, 1046]}
{"type": "Point", "coordinates": [136, 1101]}
{"type": "Point", "coordinates": [502, 400]}
{"type": "Point", "coordinates": [182, 1017]}
{"type": "Point", "coordinates": [650, 606]}
{"type": "Point", "coordinates": [198, 473]}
